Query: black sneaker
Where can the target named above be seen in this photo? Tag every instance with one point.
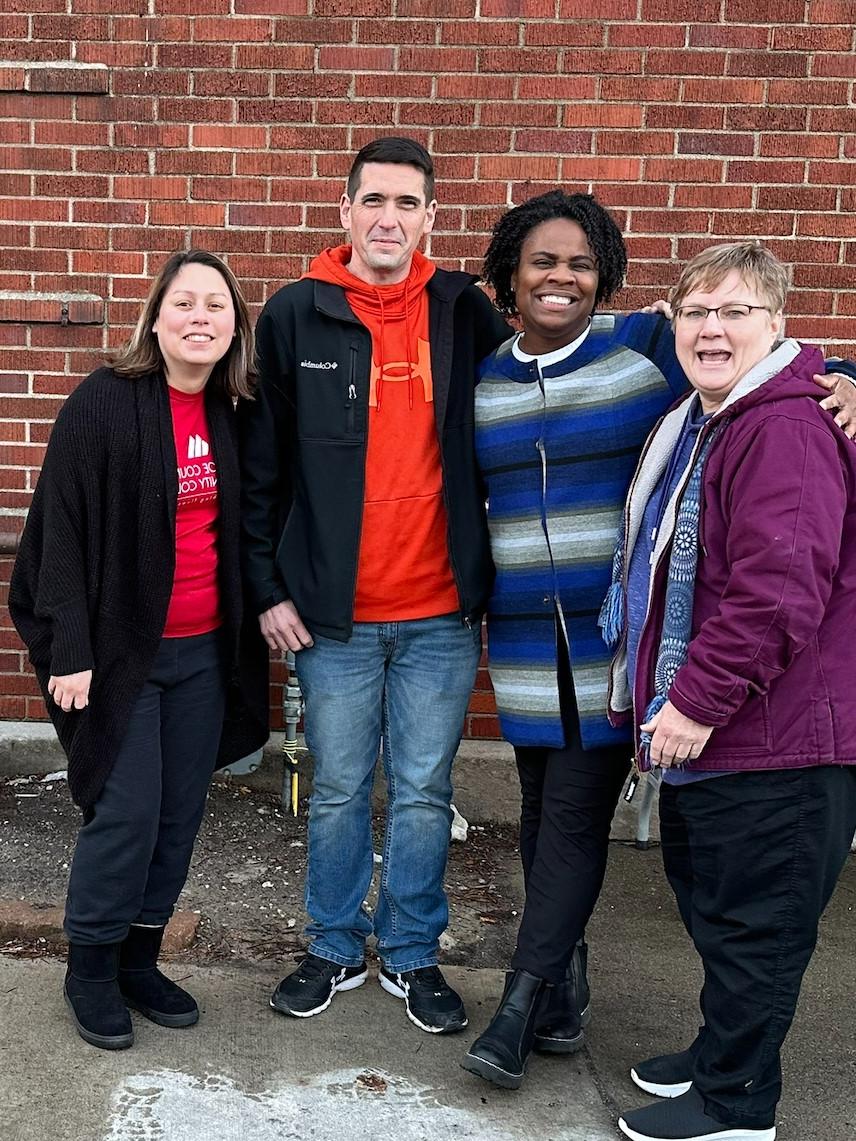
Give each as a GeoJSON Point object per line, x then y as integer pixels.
{"type": "Point", "coordinates": [684, 1118]}
{"type": "Point", "coordinates": [310, 988]}
{"type": "Point", "coordinates": [431, 1003]}
{"type": "Point", "coordinates": [668, 1075]}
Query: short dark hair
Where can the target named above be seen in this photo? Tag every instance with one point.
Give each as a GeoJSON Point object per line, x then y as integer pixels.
{"type": "Point", "coordinates": [510, 232]}
{"type": "Point", "coordinates": [397, 149]}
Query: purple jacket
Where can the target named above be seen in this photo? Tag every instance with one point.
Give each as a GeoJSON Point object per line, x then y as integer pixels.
{"type": "Point", "coordinates": [772, 660]}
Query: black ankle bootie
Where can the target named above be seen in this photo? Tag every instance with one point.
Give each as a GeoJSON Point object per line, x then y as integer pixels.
{"type": "Point", "coordinates": [145, 988]}
{"type": "Point", "coordinates": [499, 1055]}
{"type": "Point", "coordinates": [92, 993]}
{"type": "Point", "coordinates": [565, 1009]}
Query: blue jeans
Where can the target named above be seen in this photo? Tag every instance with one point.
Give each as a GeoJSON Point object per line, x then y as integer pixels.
{"type": "Point", "coordinates": [408, 683]}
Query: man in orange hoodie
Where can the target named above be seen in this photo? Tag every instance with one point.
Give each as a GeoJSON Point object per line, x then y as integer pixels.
{"type": "Point", "coordinates": [366, 552]}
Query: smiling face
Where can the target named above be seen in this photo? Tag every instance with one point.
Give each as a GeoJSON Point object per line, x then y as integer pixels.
{"type": "Point", "coordinates": [717, 353]}
{"type": "Point", "coordinates": [195, 325]}
{"type": "Point", "coordinates": [555, 285]}
{"type": "Point", "coordinates": [386, 219]}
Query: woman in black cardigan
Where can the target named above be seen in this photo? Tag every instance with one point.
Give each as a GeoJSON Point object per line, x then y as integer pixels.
{"type": "Point", "coordinates": [127, 594]}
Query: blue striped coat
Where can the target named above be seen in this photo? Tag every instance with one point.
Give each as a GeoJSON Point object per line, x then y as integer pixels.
{"type": "Point", "coordinates": [557, 457]}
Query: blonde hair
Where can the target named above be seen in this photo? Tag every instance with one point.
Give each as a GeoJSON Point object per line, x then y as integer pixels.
{"type": "Point", "coordinates": [234, 373]}
{"type": "Point", "coordinates": [758, 268]}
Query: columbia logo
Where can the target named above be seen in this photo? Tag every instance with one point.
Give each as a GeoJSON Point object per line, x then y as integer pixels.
{"type": "Point", "coordinates": [319, 364]}
{"type": "Point", "coordinates": [196, 447]}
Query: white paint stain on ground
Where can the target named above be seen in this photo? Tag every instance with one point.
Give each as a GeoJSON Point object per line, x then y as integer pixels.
{"type": "Point", "coordinates": [357, 1105]}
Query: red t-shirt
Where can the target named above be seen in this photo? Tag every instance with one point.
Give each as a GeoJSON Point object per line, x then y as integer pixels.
{"type": "Point", "coordinates": [194, 607]}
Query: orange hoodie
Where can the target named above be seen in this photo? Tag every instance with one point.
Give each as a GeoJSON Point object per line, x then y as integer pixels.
{"type": "Point", "coordinates": [403, 570]}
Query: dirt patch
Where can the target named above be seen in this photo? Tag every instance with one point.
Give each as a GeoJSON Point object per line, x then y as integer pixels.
{"type": "Point", "coordinates": [246, 879]}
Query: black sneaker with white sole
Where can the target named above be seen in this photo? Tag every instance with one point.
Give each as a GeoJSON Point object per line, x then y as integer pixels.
{"type": "Point", "coordinates": [431, 1003]}
{"type": "Point", "coordinates": [310, 988]}
{"type": "Point", "coordinates": [685, 1118]}
{"type": "Point", "coordinates": [668, 1075]}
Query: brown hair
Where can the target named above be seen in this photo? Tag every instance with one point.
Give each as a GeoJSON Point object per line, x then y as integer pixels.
{"type": "Point", "coordinates": [234, 372]}
{"type": "Point", "coordinates": [756, 265]}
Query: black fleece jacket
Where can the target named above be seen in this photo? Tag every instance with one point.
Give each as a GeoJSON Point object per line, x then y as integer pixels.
{"type": "Point", "coordinates": [303, 447]}
{"type": "Point", "coordinates": [93, 577]}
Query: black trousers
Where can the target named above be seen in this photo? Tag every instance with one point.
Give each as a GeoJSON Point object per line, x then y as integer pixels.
{"type": "Point", "coordinates": [753, 859]}
{"type": "Point", "coordinates": [569, 798]}
{"type": "Point", "coordinates": [134, 850]}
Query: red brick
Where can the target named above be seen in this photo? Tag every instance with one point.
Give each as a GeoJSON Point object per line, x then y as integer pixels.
{"type": "Point", "coordinates": [72, 134]}
{"type": "Point", "coordinates": [753, 223]}
{"type": "Point", "coordinates": [150, 135]}
{"type": "Point", "coordinates": [78, 27]}
{"type": "Point", "coordinates": [606, 62]}
{"type": "Point", "coordinates": [114, 262]}
{"type": "Point", "coordinates": [796, 198]}
{"type": "Point", "coordinates": [807, 92]}
{"type": "Point", "coordinates": [231, 29]}
{"type": "Point", "coordinates": [834, 65]}
{"type": "Point", "coordinates": [337, 58]}
{"type": "Point", "coordinates": [827, 225]}
{"type": "Point", "coordinates": [685, 63]}
{"type": "Point", "coordinates": [633, 194]}
{"type": "Point", "coordinates": [669, 221]}
{"type": "Point", "coordinates": [683, 170]}
{"type": "Point", "coordinates": [274, 111]}
{"type": "Point", "coordinates": [116, 55]}
{"type": "Point", "coordinates": [267, 216]}
{"type": "Point", "coordinates": [519, 114]}
{"type": "Point", "coordinates": [37, 158]}
{"type": "Point", "coordinates": [435, 60]}
{"type": "Point", "coordinates": [765, 172]}
{"type": "Point", "coordinates": [635, 142]}
{"type": "Point", "coordinates": [33, 209]}
{"type": "Point", "coordinates": [646, 35]}
{"type": "Point", "coordinates": [154, 81]}
{"type": "Point", "coordinates": [381, 113]}
{"type": "Point", "coordinates": [482, 87]}
{"type": "Point", "coordinates": [750, 11]}
{"type": "Point", "coordinates": [306, 86]}
{"type": "Point", "coordinates": [35, 261]}
{"type": "Point", "coordinates": [394, 32]}
{"type": "Point", "coordinates": [697, 118]}
{"type": "Point", "coordinates": [439, 114]}
{"type": "Point", "coordinates": [799, 146]}
{"type": "Point", "coordinates": [601, 169]}
{"type": "Point", "coordinates": [296, 31]}
{"type": "Point", "coordinates": [275, 57]}
{"type": "Point", "coordinates": [766, 118]}
{"type": "Point", "coordinates": [12, 382]}
{"type": "Point", "coordinates": [486, 728]}
{"type": "Point", "coordinates": [835, 173]}
{"type": "Point", "coordinates": [518, 166]}
{"type": "Point", "coordinates": [680, 11]}
{"type": "Point", "coordinates": [150, 238]}
{"type": "Point", "coordinates": [187, 214]}
{"type": "Point", "coordinates": [183, 110]}
{"type": "Point", "coordinates": [367, 84]}
{"type": "Point", "coordinates": [842, 119]}
{"type": "Point", "coordinates": [48, 50]}
{"type": "Point", "coordinates": [520, 61]}
{"type": "Point", "coordinates": [640, 89]}
{"type": "Point", "coordinates": [724, 91]}
{"type": "Point", "coordinates": [767, 63]}
{"type": "Point", "coordinates": [559, 87]}
{"type": "Point", "coordinates": [309, 138]}
{"type": "Point", "coordinates": [272, 8]}
{"type": "Point", "coordinates": [697, 143]}
{"type": "Point", "coordinates": [598, 9]}
{"type": "Point", "coordinates": [229, 138]}
{"type": "Point", "coordinates": [193, 162]}
{"type": "Point", "coordinates": [434, 9]}
{"type": "Point", "coordinates": [150, 188]}
{"type": "Point", "coordinates": [498, 34]}
{"type": "Point", "coordinates": [114, 213]}
{"type": "Point", "coordinates": [241, 83]}
{"type": "Point", "coordinates": [448, 140]}
{"type": "Point", "coordinates": [565, 33]}
{"type": "Point", "coordinates": [14, 184]}
{"type": "Point", "coordinates": [727, 36]}
{"type": "Point", "coordinates": [194, 57]}
{"type": "Point", "coordinates": [813, 39]}
{"type": "Point", "coordinates": [118, 109]}
{"type": "Point", "coordinates": [303, 190]}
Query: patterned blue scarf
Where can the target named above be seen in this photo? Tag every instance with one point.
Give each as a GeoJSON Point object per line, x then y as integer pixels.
{"type": "Point", "coordinates": [680, 588]}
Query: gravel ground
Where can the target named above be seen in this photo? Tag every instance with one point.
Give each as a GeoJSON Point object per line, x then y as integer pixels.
{"type": "Point", "coordinates": [247, 875]}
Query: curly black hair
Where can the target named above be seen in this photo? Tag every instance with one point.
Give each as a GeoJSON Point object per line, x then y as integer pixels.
{"type": "Point", "coordinates": [510, 232]}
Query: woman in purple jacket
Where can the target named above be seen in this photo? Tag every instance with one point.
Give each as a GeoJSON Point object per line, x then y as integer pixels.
{"type": "Point", "coordinates": [735, 600]}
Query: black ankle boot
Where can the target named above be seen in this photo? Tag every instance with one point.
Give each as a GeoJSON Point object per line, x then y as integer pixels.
{"type": "Point", "coordinates": [93, 997]}
{"type": "Point", "coordinates": [143, 986]}
{"type": "Point", "coordinates": [500, 1054]}
{"type": "Point", "coordinates": [565, 1010]}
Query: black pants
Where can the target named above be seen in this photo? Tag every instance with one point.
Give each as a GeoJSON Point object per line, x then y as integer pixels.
{"type": "Point", "coordinates": [569, 798]}
{"type": "Point", "coordinates": [753, 859]}
{"type": "Point", "coordinates": [134, 850]}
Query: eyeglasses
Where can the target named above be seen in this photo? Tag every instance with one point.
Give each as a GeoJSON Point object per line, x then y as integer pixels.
{"type": "Point", "coordinates": [730, 314]}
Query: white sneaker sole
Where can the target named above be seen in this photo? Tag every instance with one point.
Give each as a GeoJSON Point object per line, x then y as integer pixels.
{"type": "Point", "coordinates": [397, 992]}
{"type": "Point", "coordinates": [719, 1135]}
{"type": "Point", "coordinates": [346, 984]}
{"type": "Point", "coordinates": [674, 1090]}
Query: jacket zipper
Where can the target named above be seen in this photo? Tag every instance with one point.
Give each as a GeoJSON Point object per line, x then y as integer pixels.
{"type": "Point", "coordinates": [350, 404]}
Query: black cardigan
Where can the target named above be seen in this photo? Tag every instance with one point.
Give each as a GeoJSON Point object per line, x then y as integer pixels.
{"type": "Point", "coordinates": [93, 578]}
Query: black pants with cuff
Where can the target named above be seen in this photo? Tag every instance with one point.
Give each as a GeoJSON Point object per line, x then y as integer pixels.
{"type": "Point", "coordinates": [753, 859]}
{"type": "Point", "coordinates": [569, 798]}
{"type": "Point", "coordinates": [134, 850]}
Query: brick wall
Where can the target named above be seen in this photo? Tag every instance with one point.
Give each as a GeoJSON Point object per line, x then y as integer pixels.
{"type": "Point", "coordinates": [131, 127]}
